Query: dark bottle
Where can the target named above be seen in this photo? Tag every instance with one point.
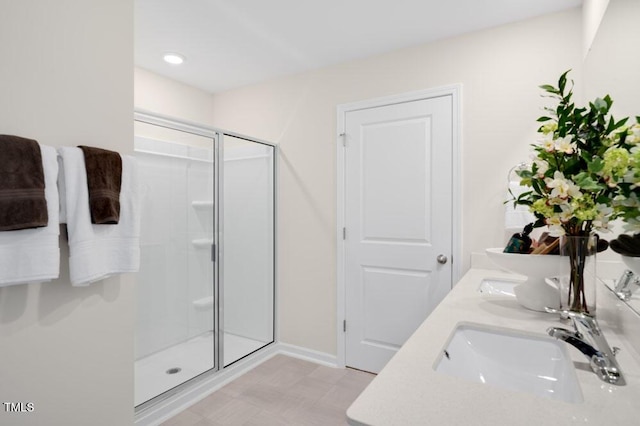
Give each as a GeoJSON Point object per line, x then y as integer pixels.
{"type": "Point", "coordinates": [520, 242]}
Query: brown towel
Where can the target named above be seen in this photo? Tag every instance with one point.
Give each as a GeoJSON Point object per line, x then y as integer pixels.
{"type": "Point", "coordinates": [104, 179]}
{"type": "Point", "coordinates": [22, 201]}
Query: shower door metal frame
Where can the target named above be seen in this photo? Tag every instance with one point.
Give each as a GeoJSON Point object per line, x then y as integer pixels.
{"type": "Point", "coordinates": [217, 135]}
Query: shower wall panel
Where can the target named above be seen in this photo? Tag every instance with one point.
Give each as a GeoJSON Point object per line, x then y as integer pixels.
{"type": "Point", "coordinates": [176, 273]}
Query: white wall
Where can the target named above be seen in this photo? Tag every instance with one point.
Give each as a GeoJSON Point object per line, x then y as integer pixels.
{"type": "Point", "coordinates": [613, 63]}
{"type": "Point", "coordinates": [161, 95]}
{"type": "Point", "coordinates": [592, 13]}
{"type": "Point", "coordinates": [500, 70]}
{"type": "Point", "coordinates": [66, 79]}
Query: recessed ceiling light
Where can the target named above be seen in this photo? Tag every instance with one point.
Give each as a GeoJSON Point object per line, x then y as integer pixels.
{"type": "Point", "coordinates": [173, 58]}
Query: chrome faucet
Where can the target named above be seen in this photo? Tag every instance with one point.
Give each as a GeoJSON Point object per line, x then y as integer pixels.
{"type": "Point", "coordinates": [589, 340]}
{"type": "Point", "coordinates": [626, 284]}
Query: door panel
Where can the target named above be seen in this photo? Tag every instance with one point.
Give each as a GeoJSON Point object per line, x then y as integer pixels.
{"type": "Point", "coordinates": [389, 214]}
{"type": "Point", "coordinates": [386, 312]}
{"type": "Point", "coordinates": [398, 220]}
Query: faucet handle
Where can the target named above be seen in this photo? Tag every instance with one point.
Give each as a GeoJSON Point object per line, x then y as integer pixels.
{"type": "Point", "coordinates": [583, 323]}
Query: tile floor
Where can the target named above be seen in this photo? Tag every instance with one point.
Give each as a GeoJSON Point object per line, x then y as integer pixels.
{"type": "Point", "coordinates": [280, 391]}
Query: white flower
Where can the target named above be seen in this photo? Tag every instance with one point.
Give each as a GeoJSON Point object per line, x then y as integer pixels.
{"type": "Point", "coordinates": [555, 226]}
{"type": "Point", "coordinates": [561, 188]}
{"type": "Point", "coordinates": [614, 136]}
{"type": "Point", "coordinates": [633, 135]}
{"type": "Point", "coordinates": [603, 209]}
{"type": "Point", "coordinates": [547, 142]}
{"type": "Point", "coordinates": [541, 167]}
{"type": "Point", "coordinates": [632, 224]}
{"type": "Point", "coordinates": [631, 201]}
{"type": "Point", "coordinates": [601, 222]}
{"type": "Point", "coordinates": [566, 214]}
{"type": "Point", "coordinates": [565, 145]}
{"type": "Point", "coordinates": [549, 127]}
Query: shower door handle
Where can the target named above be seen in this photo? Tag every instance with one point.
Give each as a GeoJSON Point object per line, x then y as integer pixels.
{"type": "Point", "coordinates": [213, 253]}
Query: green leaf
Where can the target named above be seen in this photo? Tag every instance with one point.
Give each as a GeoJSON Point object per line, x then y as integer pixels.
{"type": "Point", "coordinates": [584, 181]}
{"type": "Point", "coordinates": [596, 165]}
{"type": "Point", "coordinates": [563, 81]}
{"type": "Point", "coordinates": [524, 173]}
{"type": "Point", "coordinates": [611, 125]}
{"type": "Point", "coordinates": [621, 122]}
{"type": "Point", "coordinates": [601, 105]}
{"type": "Point", "coordinates": [535, 183]}
{"type": "Point", "coordinates": [549, 88]}
{"type": "Point", "coordinates": [543, 119]}
{"type": "Point", "coordinates": [524, 198]}
{"type": "Point", "coordinates": [525, 181]}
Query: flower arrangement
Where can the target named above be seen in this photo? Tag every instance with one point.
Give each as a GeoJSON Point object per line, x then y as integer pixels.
{"type": "Point", "coordinates": [585, 172]}
{"type": "Point", "coordinates": [586, 166]}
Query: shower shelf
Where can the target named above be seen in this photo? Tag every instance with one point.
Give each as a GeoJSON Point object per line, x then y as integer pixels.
{"type": "Point", "coordinates": [202, 242]}
{"type": "Point", "coordinates": [204, 303]}
{"type": "Point", "coordinates": [202, 204]}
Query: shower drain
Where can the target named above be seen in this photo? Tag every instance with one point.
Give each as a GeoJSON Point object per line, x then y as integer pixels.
{"type": "Point", "coordinates": [173, 370]}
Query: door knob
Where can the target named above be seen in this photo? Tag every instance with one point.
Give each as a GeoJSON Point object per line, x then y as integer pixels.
{"type": "Point", "coordinates": [442, 259]}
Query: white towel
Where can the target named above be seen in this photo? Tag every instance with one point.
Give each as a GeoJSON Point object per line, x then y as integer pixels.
{"type": "Point", "coordinates": [99, 251]}
{"type": "Point", "coordinates": [33, 255]}
{"type": "Point", "coordinates": [515, 219]}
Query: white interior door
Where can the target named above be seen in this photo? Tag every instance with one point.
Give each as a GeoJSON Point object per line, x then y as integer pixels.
{"type": "Point", "coordinates": [398, 216]}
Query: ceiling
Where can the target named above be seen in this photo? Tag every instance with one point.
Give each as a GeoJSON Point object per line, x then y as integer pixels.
{"type": "Point", "coordinates": [233, 43]}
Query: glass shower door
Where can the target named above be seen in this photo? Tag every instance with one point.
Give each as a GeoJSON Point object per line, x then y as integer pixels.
{"type": "Point", "coordinates": [176, 309]}
{"type": "Point", "coordinates": [248, 256]}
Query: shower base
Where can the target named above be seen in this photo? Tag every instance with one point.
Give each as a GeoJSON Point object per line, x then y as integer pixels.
{"type": "Point", "coordinates": [164, 370]}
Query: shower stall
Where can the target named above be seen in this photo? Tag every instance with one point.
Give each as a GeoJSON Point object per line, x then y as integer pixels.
{"type": "Point", "coordinates": [205, 291]}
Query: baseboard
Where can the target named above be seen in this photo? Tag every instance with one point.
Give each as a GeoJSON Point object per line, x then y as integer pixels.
{"type": "Point", "coordinates": [191, 393]}
{"type": "Point", "coordinates": [318, 357]}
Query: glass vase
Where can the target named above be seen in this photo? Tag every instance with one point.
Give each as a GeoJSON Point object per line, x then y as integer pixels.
{"type": "Point", "coordinates": [578, 289]}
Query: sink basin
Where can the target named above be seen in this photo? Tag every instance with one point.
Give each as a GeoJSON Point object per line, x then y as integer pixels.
{"type": "Point", "coordinates": [510, 359]}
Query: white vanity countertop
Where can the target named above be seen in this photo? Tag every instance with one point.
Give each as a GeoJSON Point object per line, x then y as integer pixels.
{"type": "Point", "coordinates": [409, 392]}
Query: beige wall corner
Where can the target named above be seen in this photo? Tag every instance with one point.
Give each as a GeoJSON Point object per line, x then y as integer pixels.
{"type": "Point", "coordinates": [161, 95]}
{"type": "Point", "coordinates": [611, 67]}
{"type": "Point", "coordinates": [592, 13]}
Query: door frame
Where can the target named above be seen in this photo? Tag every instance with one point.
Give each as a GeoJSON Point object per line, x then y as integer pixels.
{"type": "Point", "coordinates": [455, 91]}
